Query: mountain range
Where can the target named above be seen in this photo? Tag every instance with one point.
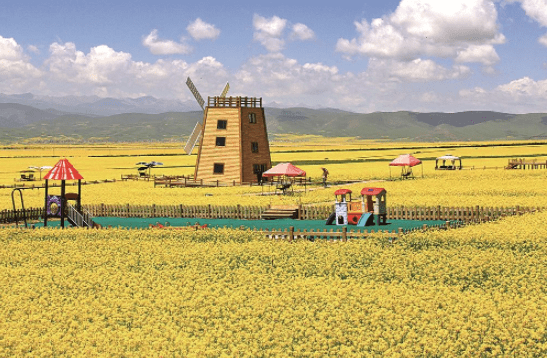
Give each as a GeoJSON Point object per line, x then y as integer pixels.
{"type": "Point", "coordinates": [74, 118]}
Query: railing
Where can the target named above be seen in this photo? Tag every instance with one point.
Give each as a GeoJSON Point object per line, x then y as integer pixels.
{"type": "Point", "coordinates": [83, 219]}
{"type": "Point", "coordinates": [234, 102]}
{"type": "Point", "coordinates": [11, 216]}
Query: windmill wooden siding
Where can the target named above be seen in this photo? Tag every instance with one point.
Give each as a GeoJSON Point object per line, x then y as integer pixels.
{"type": "Point", "coordinates": [254, 132]}
{"type": "Point", "coordinates": [209, 153]}
{"type": "Point", "coordinates": [236, 155]}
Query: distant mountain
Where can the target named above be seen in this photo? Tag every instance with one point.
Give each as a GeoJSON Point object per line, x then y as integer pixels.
{"type": "Point", "coordinates": [13, 115]}
{"type": "Point", "coordinates": [94, 105]}
{"type": "Point", "coordinates": [19, 123]}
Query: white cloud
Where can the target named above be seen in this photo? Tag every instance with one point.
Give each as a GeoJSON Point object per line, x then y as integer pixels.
{"type": "Point", "coordinates": [302, 32]}
{"type": "Point", "coordinates": [269, 32]}
{"type": "Point", "coordinates": [106, 72]}
{"type": "Point", "coordinates": [164, 47]}
{"type": "Point", "coordinates": [429, 97]}
{"type": "Point", "coordinates": [200, 30]}
{"type": "Point", "coordinates": [484, 54]}
{"type": "Point", "coordinates": [10, 50]}
{"type": "Point", "coordinates": [477, 91]}
{"type": "Point", "coordinates": [416, 71]}
{"type": "Point", "coordinates": [523, 95]}
{"type": "Point", "coordinates": [536, 9]}
{"type": "Point", "coordinates": [420, 28]}
{"type": "Point", "coordinates": [33, 49]}
{"type": "Point", "coordinates": [525, 87]}
{"type": "Point", "coordinates": [17, 74]}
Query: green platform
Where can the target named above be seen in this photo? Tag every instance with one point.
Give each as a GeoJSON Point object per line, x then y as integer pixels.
{"type": "Point", "coordinates": [392, 225]}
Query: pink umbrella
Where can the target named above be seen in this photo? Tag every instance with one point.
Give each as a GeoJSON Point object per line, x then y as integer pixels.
{"type": "Point", "coordinates": [286, 169]}
{"type": "Point", "coordinates": [405, 160]}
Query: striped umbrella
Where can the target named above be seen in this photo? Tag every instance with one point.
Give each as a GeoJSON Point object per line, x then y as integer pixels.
{"type": "Point", "coordinates": [63, 170]}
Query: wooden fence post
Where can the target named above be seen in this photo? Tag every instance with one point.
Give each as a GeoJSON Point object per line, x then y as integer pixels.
{"type": "Point", "coordinates": [291, 233]}
{"type": "Point", "coordinates": [344, 234]}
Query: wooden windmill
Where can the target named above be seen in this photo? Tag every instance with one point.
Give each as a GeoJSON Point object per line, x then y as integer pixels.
{"type": "Point", "coordinates": [233, 139]}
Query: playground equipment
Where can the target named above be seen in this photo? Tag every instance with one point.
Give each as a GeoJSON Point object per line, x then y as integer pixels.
{"type": "Point", "coordinates": [22, 206]}
{"type": "Point", "coordinates": [359, 213]}
{"type": "Point", "coordinates": [57, 205]}
{"type": "Point", "coordinates": [340, 215]}
{"type": "Point", "coordinates": [374, 203]}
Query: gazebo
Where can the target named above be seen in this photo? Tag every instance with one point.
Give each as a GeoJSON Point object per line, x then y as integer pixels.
{"type": "Point", "coordinates": [406, 162]}
{"type": "Point", "coordinates": [452, 159]}
{"type": "Point", "coordinates": [55, 205]}
{"type": "Point", "coordinates": [285, 171]}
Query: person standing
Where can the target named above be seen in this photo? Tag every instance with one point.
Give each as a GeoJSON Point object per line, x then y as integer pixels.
{"type": "Point", "coordinates": [325, 175]}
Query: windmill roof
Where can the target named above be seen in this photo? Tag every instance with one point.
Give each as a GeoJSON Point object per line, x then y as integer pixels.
{"type": "Point", "coordinates": [63, 170]}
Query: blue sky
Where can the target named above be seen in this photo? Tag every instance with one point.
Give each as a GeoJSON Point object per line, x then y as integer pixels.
{"type": "Point", "coordinates": [419, 55]}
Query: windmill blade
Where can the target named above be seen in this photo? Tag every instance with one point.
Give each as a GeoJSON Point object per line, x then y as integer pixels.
{"type": "Point", "coordinates": [195, 92]}
{"type": "Point", "coordinates": [194, 137]}
{"type": "Point", "coordinates": [225, 90]}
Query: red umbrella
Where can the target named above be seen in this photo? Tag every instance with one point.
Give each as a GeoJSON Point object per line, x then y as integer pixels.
{"type": "Point", "coordinates": [63, 170]}
{"type": "Point", "coordinates": [286, 169]}
{"type": "Point", "coordinates": [405, 160]}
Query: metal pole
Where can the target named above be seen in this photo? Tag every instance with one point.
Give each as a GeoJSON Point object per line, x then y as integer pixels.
{"type": "Point", "coordinates": [63, 202]}
{"type": "Point", "coordinates": [45, 207]}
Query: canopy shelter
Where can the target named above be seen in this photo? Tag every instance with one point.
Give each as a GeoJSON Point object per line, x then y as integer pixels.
{"type": "Point", "coordinates": [55, 204]}
{"type": "Point", "coordinates": [286, 172]}
{"type": "Point", "coordinates": [406, 162]}
{"type": "Point", "coordinates": [40, 169]}
{"type": "Point", "coordinates": [144, 166]}
{"type": "Point", "coordinates": [27, 175]}
{"type": "Point", "coordinates": [452, 162]}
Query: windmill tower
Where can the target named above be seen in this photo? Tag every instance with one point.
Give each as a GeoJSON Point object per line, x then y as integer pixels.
{"type": "Point", "coordinates": [233, 139]}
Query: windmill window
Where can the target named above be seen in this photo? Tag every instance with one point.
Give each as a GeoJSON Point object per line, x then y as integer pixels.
{"type": "Point", "coordinates": [252, 117]}
{"type": "Point", "coordinates": [218, 168]}
{"type": "Point", "coordinates": [221, 142]}
{"type": "Point", "coordinates": [254, 147]}
{"type": "Point", "coordinates": [222, 124]}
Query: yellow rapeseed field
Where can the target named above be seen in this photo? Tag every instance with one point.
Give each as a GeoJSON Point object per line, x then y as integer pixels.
{"type": "Point", "coordinates": [478, 291]}
{"type": "Point", "coordinates": [352, 159]}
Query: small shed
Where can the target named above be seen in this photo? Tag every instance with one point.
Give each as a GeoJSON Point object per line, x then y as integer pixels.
{"type": "Point", "coordinates": [451, 159]}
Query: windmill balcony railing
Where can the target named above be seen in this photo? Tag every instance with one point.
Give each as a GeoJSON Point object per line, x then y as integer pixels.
{"type": "Point", "coordinates": [234, 102]}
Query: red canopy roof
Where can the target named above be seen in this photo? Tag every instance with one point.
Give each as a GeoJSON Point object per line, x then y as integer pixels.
{"type": "Point", "coordinates": [63, 170]}
{"type": "Point", "coordinates": [405, 160]}
{"type": "Point", "coordinates": [372, 191]}
{"type": "Point", "coordinates": [284, 169]}
{"type": "Point", "coordinates": [342, 192]}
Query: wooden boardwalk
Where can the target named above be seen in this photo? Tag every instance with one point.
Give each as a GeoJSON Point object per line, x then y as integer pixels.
{"type": "Point", "coordinates": [523, 163]}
